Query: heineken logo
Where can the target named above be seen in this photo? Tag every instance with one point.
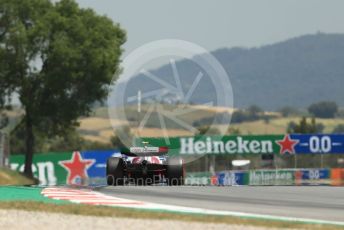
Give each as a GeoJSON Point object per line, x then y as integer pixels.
{"type": "Point", "coordinates": [237, 145]}
{"type": "Point", "coordinates": [261, 177]}
{"type": "Point", "coordinates": [43, 171]}
{"type": "Point", "coordinates": [254, 144]}
{"type": "Point", "coordinates": [287, 145]}
{"type": "Point", "coordinates": [76, 168]}
{"type": "Point", "coordinates": [67, 168]}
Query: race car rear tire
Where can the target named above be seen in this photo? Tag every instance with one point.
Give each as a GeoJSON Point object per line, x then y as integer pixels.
{"type": "Point", "coordinates": [175, 172]}
{"type": "Point", "coordinates": [115, 171]}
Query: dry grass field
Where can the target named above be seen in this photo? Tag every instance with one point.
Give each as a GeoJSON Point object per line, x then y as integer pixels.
{"type": "Point", "coordinates": [98, 127]}
{"type": "Point", "coordinates": [279, 125]}
{"type": "Point", "coordinates": [9, 177]}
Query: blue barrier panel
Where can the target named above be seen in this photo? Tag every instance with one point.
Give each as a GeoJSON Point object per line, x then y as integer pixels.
{"type": "Point", "coordinates": [315, 174]}
{"type": "Point", "coordinates": [232, 178]}
{"type": "Point", "coordinates": [98, 168]}
{"type": "Point", "coordinates": [318, 143]}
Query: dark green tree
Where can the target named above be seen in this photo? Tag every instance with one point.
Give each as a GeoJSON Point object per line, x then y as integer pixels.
{"type": "Point", "coordinates": [305, 127]}
{"type": "Point", "coordinates": [254, 112]}
{"type": "Point", "coordinates": [59, 58]}
{"type": "Point", "coordinates": [324, 109]}
{"type": "Point", "coordinates": [239, 116]}
{"type": "Point", "coordinates": [254, 109]}
{"type": "Point", "coordinates": [233, 131]}
{"type": "Point", "coordinates": [288, 111]}
{"type": "Point", "coordinates": [206, 129]}
{"type": "Point", "coordinates": [117, 142]}
{"type": "Point", "coordinates": [291, 127]}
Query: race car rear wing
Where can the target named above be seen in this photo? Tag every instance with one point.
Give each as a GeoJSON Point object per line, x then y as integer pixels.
{"type": "Point", "coordinates": [145, 151]}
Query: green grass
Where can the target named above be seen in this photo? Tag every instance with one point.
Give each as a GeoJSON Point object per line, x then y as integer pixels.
{"type": "Point", "coordinates": [103, 211]}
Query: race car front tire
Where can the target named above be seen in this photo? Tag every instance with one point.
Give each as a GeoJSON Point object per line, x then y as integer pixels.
{"type": "Point", "coordinates": [175, 172]}
{"type": "Point", "coordinates": [115, 171]}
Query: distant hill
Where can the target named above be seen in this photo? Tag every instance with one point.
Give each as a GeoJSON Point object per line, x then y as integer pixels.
{"type": "Point", "coordinates": [295, 72]}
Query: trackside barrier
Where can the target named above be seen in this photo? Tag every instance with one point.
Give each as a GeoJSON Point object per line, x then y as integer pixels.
{"type": "Point", "coordinates": [337, 176]}
{"type": "Point", "coordinates": [299, 144]}
{"type": "Point", "coordinates": [84, 167]}
{"type": "Point", "coordinates": [271, 177]}
{"type": "Point", "coordinates": [202, 178]}
{"type": "Point", "coordinates": [88, 167]}
{"type": "Point", "coordinates": [312, 176]}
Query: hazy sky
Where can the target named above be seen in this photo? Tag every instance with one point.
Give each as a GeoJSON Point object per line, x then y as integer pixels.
{"type": "Point", "coordinates": [221, 23]}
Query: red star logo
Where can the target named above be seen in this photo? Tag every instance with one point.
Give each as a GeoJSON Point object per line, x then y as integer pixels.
{"type": "Point", "coordinates": [287, 145]}
{"type": "Point", "coordinates": [76, 167]}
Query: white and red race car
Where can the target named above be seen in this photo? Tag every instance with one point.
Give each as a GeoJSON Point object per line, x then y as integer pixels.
{"type": "Point", "coordinates": [144, 166]}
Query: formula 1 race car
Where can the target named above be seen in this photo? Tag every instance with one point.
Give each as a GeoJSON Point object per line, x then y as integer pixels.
{"type": "Point", "coordinates": [144, 166]}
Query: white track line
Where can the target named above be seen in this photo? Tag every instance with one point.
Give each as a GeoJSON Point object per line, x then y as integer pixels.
{"type": "Point", "coordinates": [86, 196]}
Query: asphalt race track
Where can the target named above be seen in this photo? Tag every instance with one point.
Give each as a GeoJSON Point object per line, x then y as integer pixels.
{"type": "Point", "coordinates": [316, 202]}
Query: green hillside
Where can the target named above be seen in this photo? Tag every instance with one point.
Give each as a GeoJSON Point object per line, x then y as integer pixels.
{"type": "Point", "coordinates": [296, 72]}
